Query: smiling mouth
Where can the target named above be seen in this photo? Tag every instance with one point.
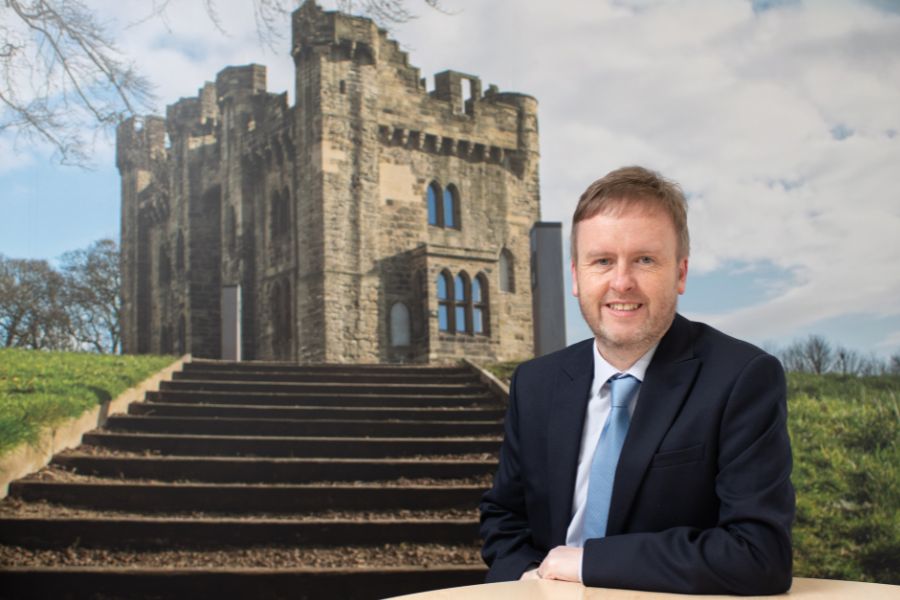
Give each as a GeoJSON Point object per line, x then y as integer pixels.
{"type": "Point", "coordinates": [624, 306]}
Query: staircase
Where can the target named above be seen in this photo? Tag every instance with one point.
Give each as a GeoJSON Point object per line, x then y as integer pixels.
{"type": "Point", "coordinates": [264, 480]}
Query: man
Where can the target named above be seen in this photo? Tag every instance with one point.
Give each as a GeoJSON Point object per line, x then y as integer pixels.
{"type": "Point", "coordinates": [656, 455]}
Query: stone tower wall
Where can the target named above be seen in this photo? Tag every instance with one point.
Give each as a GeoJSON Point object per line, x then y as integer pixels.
{"type": "Point", "coordinates": [319, 210]}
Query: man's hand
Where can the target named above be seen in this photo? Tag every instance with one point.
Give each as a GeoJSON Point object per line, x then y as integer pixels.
{"type": "Point", "coordinates": [530, 574]}
{"type": "Point", "coordinates": [563, 562]}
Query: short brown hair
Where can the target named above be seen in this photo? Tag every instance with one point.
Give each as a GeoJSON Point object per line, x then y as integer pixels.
{"type": "Point", "coordinates": [635, 186]}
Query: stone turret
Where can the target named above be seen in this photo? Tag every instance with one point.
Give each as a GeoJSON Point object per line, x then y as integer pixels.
{"type": "Point", "coordinates": [138, 141]}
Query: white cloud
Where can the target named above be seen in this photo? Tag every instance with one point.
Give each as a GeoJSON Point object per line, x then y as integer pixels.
{"type": "Point", "coordinates": [740, 107]}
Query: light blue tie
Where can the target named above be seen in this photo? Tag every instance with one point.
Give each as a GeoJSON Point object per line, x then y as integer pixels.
{"type": "Point", "coordinates": [606, 455]}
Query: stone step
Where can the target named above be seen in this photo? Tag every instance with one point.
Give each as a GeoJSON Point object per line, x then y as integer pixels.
{"type": "Point", "coordinates": [90, 583]}
{"type": "Point", "coordinates": [277, 470]}
{"type": "Point", "coordinates": [334, 387]}
{"type": "Point", "coordinates": [336, 369]}
{"type": "Point", "coordinates": [286, 481]}
{"type": "Point", "coordinates": [301, 447]}
{"type": "Point", "coordinates": [243, 397]}
{"type": "Point", "coordinates": [373, 378]}
{"type": "Point", "coordinates": [154, 533]}
{"type": "Point", "coordinates": [233, 498]}
{"type": "Point", "coordinates": [299, 428]}
{"type": "Point", "coordinates": [315, 412]}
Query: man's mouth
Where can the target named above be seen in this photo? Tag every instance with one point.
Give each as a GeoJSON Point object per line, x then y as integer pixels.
{"type": "Point", "coordinates": [624, 306]}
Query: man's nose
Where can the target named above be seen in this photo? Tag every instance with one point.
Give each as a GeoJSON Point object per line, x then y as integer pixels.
{"type": "Point", "coordinates": [623, 278]}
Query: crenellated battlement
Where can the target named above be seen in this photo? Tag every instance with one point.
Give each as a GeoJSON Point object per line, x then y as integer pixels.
{"type": "Point", "coordinates": [139, 140]}
{"type": "Point", "coordinates": [241, 81]}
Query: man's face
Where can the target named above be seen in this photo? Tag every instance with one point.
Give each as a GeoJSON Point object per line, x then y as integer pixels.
{"type": "Point", "coordinates": [627, 277]}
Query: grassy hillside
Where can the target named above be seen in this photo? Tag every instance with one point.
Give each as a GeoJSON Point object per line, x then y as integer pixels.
{"type": "Point", "coordinates": [845, 432]}
{"type": "Point", "coordinates": [42, 389]}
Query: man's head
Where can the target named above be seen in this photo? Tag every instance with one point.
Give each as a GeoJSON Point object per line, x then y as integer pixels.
{"type": "Point", "coordinates": [630, 250]}
{"type": "Point", "coordinates": [629, 187]}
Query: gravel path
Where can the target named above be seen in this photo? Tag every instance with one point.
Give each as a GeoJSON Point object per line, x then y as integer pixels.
{"type": "Point", "coordinates": [59, 474]}
{"type": "Point", "coordinates": [89, 450]}
{"type": "Point", "coordinates": [388, 555]}
{"type": "Point", "coordinates": [14, 507]}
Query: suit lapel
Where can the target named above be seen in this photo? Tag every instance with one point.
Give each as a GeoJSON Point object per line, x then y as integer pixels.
{"type": "Point", "coordinates": [566, 422]}
{"type": "Point", "coordinates": [665, 387]}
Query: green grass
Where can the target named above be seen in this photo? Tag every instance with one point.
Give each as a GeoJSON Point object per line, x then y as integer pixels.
{"type": "Point", "coordinates": [42, 389]}
{"type": "Point", "coordinates": [503, 370]}
{"type": "Point", "coordinates": [845, 432]}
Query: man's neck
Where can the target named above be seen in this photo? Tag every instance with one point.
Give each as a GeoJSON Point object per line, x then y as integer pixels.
{"type": "Point", "coordinates": [623, 358]}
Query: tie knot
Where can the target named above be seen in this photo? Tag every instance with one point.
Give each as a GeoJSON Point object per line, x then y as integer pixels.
{"type": "Point", "coordinates": [622, 388]}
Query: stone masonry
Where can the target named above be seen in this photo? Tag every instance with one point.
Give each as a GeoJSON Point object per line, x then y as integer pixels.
{"type": "Point", "coordinates": [322, 213]}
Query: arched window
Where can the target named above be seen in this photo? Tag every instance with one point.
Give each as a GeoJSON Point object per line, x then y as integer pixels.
{"type": "Point", "coordinates": [399, 325]}
{"type": "Point", "coordinates": [445, 302]}
{"type": "Point", "coordinates": [273, 215]}
{"type": "Point", "coordinates": [164, 272]}
{"type": "Point", "coordinates": [451, 206]}
{"type": "Point", "coordinates": [507, 271]}
{"type": "Point", "coordinates": [462, 301]}
{"type": "Point", "coordinates": [443, 206]}
{"type": "Point", "coordinates": [280, 308]}
{"type": "Point", "coordinates": [480, 320]}
{"type": "Point", "coordinates": [284, 212]}
{"type": "Point", "coordinates": [274, 311]}
{"type": "Point", "coordinates": [434, 208]}
{"type": "Point", "coordinates": [279, 213]}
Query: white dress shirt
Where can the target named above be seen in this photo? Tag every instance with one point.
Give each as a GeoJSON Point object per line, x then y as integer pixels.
{"type": "Point", "coordinates": [597, 413]}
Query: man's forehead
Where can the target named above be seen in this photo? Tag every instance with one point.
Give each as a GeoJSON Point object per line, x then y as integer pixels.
{"type": "Point", "coordinates": [617, 206]}
{"type": "Point", "coordinates": [630, 210]}
{"type": "Point", "coordinates": [652, 241]}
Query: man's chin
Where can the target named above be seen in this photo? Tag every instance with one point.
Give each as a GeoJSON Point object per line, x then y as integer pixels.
{"type": "Point", "coordinates": [621, 338]}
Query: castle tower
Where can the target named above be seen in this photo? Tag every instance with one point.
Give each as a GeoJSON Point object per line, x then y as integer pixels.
{"type": "Point", "coordinates": [140, 150]}
{"type": "Point", "coordinates": [373, 221]}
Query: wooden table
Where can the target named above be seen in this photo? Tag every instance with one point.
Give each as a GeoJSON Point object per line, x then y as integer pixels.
{"type": "Point", "coordinates": [803, 589]}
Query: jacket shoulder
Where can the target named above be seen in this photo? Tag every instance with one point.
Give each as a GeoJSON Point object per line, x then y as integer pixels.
{"type": "Point", "coordinates": [713, 345]}
{"type": "Point", "coordinates": [572, 359]}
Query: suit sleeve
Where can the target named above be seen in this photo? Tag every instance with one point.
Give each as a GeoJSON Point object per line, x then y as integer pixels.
{"type": "Point", "coordinates": [508, 548]}
{"type": "Point", "coordinates": [748, 552]}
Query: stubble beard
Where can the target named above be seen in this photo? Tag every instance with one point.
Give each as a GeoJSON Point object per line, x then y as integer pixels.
{"type": "Point", "coordinates": [634, 344]}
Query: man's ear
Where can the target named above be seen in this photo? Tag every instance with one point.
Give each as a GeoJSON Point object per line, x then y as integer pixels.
{"type": "Point", "coordinates": [682, 275]}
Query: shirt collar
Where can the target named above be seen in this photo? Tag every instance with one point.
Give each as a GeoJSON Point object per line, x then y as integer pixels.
{"type": "Point", "coordinates": [603, 370]}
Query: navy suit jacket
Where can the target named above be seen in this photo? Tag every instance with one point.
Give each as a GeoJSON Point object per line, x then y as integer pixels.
{"type": "Point", "coordinates": [702, 500]}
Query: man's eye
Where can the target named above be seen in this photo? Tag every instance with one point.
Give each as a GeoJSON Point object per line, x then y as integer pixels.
{"type": "Point", "coordinates": [603, 262]}
{"type": "Point", "coordinates": [646, 260]}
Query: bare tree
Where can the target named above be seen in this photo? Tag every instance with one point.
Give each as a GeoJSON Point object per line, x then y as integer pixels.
{"type": "Point", "coordinates": [848, 362]}
{"type": "Point", "coordinates": [93, 303]}
{"type": "Point", "coordinates": [818, 354]}
{"type": "Point", "coordinates": [873, 365]}
{"type": "Point", "coordinates": [815, 354]}
{"type": "Point", "coordinates": [383, 11]}
{"type": "Point", "coordinates": [792, 358]}
{"type": "Point", "coordinates": [31, 306]}
{"type": "Point", "coordinates": [62, 77]}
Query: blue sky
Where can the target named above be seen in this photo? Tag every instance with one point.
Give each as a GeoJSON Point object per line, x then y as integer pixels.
{"type": "Point", "coordinates": [779, 118]}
